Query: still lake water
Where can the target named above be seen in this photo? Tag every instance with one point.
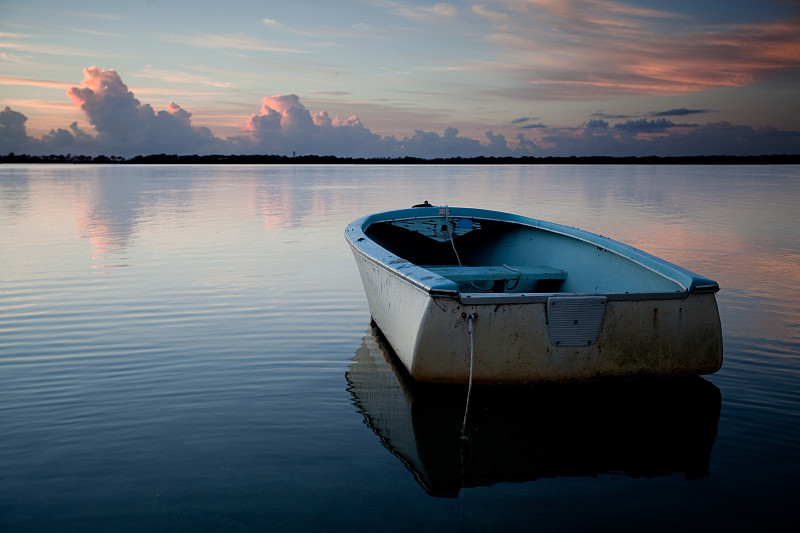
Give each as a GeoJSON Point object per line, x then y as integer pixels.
{"type": "Point", "coordinates": [188, 348]}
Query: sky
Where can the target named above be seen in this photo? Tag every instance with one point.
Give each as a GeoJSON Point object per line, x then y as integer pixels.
{"type": "Point", "coordinates": [384, 78]}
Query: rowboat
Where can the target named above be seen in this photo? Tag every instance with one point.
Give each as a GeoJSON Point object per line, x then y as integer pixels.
{"type": "Point", "coordinates": [465, 294]}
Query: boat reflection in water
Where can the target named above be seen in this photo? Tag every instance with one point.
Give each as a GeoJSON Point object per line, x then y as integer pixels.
{"type": "Point", "coordinates": [642, 429]}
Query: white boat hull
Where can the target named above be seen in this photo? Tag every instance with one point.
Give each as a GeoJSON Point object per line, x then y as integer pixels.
{"type": "Point", "coordinates": [511, 342]}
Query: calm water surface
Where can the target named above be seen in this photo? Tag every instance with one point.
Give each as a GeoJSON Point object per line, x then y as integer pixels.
{"type": "Point", "coordinates": [188, 348]}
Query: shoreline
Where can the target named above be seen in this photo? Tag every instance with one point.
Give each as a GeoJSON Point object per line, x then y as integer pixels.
{"type": "Point", "coordinates": [256, 159]}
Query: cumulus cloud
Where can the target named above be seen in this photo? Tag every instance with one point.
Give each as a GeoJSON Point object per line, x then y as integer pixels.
{"type": "Point", "coordinates": [121, 125]}
{"type": "Point", "coordinates": [282, 113]}
{"type": "Point", "coordinates": [13, 135]}
{"type": "Point", "coordinates": [429, 144]}
{"type": "Point", "coordinates": [497, 142]}
{"type": "Point", "coordinates": [107, 101]}
{"type": "Point", "coordinates": [125, 126]}
{"type": "Point", "coordinates": [285, 126]}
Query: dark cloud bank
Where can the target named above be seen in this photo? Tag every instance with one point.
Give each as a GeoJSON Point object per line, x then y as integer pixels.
{"type": "Point", "coordinates": [123, 126]}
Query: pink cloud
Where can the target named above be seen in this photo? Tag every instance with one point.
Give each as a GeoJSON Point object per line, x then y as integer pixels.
{"type": "Point", "coordinates": [107, 101]}
{"type": "Point", "coordinates": [592, 49]}
{"type": "Point", "coordinates": [124, 124]}
{"type": "Point", "coordinates": [294, 115]}
{"type": "Point", "coordinates": [284, 125]}
{"type": "Point", "coordinates": [30, 82]}
{"type": "Point", "coordinates": [180, 114]}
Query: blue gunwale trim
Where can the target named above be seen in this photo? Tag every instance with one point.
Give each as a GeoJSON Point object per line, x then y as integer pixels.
{"type": "Point", "coordinates": [433, 283]}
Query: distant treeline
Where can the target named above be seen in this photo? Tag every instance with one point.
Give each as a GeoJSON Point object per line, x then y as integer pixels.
{"type": "Point", "coordinates": [163, 159]}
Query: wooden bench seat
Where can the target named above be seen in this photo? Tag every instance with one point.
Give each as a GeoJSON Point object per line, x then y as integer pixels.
{"type": "Point", "coordinates": [497, 273]}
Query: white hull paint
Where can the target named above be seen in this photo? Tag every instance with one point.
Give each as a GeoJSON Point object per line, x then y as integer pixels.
{"type": "Point", "coordinates": [659, 334]}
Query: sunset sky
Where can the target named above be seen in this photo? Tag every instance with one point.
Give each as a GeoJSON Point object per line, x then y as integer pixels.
{"type": "Point", "coordinates": [390, 78]}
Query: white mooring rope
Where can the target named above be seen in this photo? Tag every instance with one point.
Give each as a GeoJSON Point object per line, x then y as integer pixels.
{"type": "Point", "coordinates": [450, 233]}
{"type": "Point", "coordinates": [470, 319]}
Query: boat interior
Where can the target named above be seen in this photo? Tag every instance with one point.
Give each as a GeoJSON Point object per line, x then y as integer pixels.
{"type": "Point", "coordinates": [483, 255]}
